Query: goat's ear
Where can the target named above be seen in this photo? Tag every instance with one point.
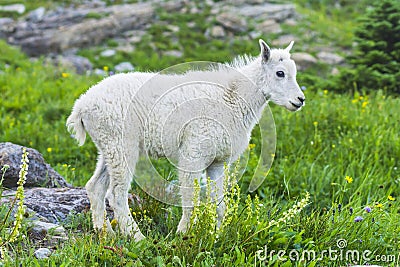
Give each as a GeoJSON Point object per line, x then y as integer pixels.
{"type": "Point", "coordinates": [265, 51]}
{"type": "Point", "coordinates": [289, 47]}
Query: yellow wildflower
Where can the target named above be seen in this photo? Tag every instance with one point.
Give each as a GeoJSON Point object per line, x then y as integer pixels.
{"type": "Point", "coordinates": [251, 146]}
{"type": "Point", "coordinates": [364, 104]}
{"type": "Point", "coordinates": [379, 205]}
{"type": "Point", "coordinates": [354, 101]}
{"type": "Point", "coordinates": [315, 123]}
{"type": "Point", "coordinates": [65, 75]}
{"type": "Point", "coordinates": [49, 149]}
{"type": "Point", "coordinates": [105, 68]}
{"type": "Point", "coordinates": [113, 223]}
{"type": "Point", "coordinates": [325, 92]}
{"type": "Point", "coordinates": [348, 179]}
{"type": "Point", "coordinates": [391, 198]}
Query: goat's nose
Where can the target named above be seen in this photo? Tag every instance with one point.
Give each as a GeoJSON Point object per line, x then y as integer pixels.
{"type": "Point", "coordinates": [302, 99]}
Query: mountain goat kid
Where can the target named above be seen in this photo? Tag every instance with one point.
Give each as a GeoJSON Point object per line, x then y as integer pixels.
{"type": "Point", "coordinates": [133, 113]}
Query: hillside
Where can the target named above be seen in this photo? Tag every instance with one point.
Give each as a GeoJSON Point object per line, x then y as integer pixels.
{"type": "Point", "coordinates": [342, 148]}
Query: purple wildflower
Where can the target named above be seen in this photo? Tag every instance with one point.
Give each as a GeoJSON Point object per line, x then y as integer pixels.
{"type": "Point", "coordinates": [358, 219]}
{"type": "Point", "coordinates": [367, 209]}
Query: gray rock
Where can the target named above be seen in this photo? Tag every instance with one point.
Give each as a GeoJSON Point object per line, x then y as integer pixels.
{"type": "Point", "coordinates": [18, 8]}
{"type": "Point", "coordinates": [330, 58]}
{"type": "Point", "coordinates": [51, 229]}
{"type": "Point", "coordinates": [80, 64]}
{"type": "Point", "coordinates": [66, 28]}
{"type": "Point", "coordinates": [39, 172]}
{"type": "Point", "coordinates": [277, 12]}
{"type": "Point", "coordinates": [335, 71]}
{"type": "Point", "coordinates": [6, 21]}
{"type": "Point", "coordinates": [37, 14]}
{"type": "Point", "coordinates": [134, 36]}
{"type": "Point", "coordinates": [108, 53]}
{"type": "Point", "coordinates": [56, 204]}
{"type": "Point", "coordinates": [99, 72]}
{"type": "Point", "coordinates": [173, 28]}
{"type": "Point", "coordinates": [125, 47]}
{"type": "Point", "coordinates": [303, 60]}
{"type": "Point", "coordinates": [174, 53]}
{"type": "Point", "coordinates": [284, 40]}
{"type": "Point", "coordinates": [7, 26]}
{"type": "Point", "coordinates": [217, 32]}
{"type": "Point", "coordinates": [291, 22]}
{"type": "Point", "coordinates": [255, 34]}
{"type": "Point", "coordinates": [232, 22]}
{"type": "Point", "coordinates": [124, 66]}
{"type": "Point", "coordinates": [42, 253]}
{"type": "Point", "coordinates": [52, 205]}
{"type": "Point", "coordinates": [269, 26]}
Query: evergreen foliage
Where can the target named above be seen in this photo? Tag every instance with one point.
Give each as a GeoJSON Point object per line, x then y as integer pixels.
{"type": "Point", "coordinates": [376, 59]}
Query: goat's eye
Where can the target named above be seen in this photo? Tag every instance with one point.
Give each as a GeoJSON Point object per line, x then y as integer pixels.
{"type": "Point", "coordinates": [280, 74]}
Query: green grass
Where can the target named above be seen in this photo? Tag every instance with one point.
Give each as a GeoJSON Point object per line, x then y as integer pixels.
{"type": "Point", "coordinates": [333, 137]}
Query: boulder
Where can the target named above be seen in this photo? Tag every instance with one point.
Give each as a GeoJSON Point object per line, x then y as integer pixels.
{"type": "Point", "coordinates": [6, 26]}
{"type": "Point", "coordinates": [66, 28]}
{"type": "Point", "coordinates": [108, 53]}
{"type": "Point", "coordinates": [232, 22]}
{"type": "Point", "coordinates": [216, 32]}
{"type": "Point", "coordinates": [56, 204]}
{"type": "Point", "coordinates": [39, 172]}
{"type": "Point", "coordinates": [18, 8]}
{"type": "Point", "coordinates": [269, 26]}
{"type": "Point", "coordinates": [330, 58]}
{"type": "Point", "coordinates": [265, 11]}
{"type": "Point", "coordinates": [124, 66]}
{"type": "Point", "coordinates": [42, 253]}
{"type": "Point", "coordinates": [37, 14]}
{"type": "Point", "coordinates": [41, 229]}
{"type": "Point", "coordinates": [304, 60]}
{"type": "Point", "coordinates": [80, 64]}
{"type": "Point", "coordinates": [173, 53]}
{"type": "Point", "coordinates": [284, 40]}
{"type": "Point", "coordinates": [52, 205]}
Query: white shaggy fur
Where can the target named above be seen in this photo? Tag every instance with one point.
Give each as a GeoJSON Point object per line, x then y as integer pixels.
{"type": "Point", "coordinates": [126, 114]}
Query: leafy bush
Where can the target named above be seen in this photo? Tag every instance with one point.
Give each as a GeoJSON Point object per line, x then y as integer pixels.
{"type": "Point", "coordinates": [377, 56]}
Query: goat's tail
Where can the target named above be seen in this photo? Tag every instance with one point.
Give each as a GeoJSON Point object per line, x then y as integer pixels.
{"type": "Point", "coordinates": [75, 126]}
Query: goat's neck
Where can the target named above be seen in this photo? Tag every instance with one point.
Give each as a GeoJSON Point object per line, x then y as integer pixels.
{"type": "Point", "coordinates": [248, 87]}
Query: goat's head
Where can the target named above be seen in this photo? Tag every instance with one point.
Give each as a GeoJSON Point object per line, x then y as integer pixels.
{"type": "Point", "coordinates": [279, 75]}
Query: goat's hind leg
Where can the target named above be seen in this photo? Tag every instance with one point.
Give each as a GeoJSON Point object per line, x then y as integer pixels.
{"type": "Point", "coordinates": [121, 172]}
{"type": "Point", "coordinates": [96, 189]}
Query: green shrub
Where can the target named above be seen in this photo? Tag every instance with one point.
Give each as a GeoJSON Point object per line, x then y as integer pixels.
{"type": "Point", "coordinates": [376, 59]}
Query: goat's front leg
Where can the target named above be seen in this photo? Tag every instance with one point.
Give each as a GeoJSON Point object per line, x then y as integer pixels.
{"type": "Point", "coordinates": [216, 173]}
{"type": "Point", "coordinates": [186, 179]}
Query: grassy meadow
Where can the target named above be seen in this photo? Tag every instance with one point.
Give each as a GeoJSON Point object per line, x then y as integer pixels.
{"type": "Point", "coordinates": [333, 188]}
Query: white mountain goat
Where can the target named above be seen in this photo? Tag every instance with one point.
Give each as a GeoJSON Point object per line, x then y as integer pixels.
{"type": "Point", "coordinates": [133, 113]}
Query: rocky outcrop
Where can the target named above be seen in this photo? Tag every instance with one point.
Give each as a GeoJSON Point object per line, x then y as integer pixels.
{"type": "Point", "coordinates": [55, 31]}
{"type": "Point", "coordinates": [65, 28]}
{"type": "Point", "coordinates": [56, 204]}
{"type": "Point", "coordinates": [39, 173]}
